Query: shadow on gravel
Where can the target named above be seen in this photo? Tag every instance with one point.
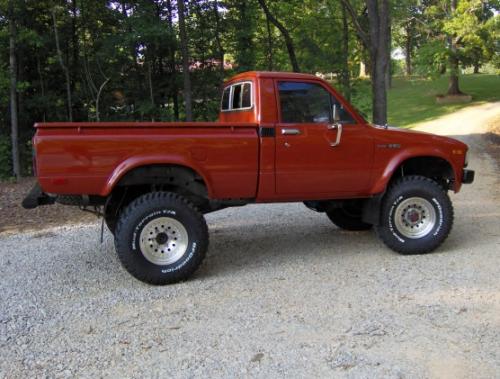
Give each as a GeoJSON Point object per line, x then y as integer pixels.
{"type": "Point", "coordinates": [244, 245]}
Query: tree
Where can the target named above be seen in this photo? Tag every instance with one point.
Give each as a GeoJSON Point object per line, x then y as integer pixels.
{"type": "Point", "coordinates": [242, 20]}
{"type": "Point", "coordinates": [218, 40]}
{"type": "Point", "coordinates": [63, 67]}
{"type": "Point", "coordinates": [13, 91]}
{"type": "Point", "coordinates": [116, 60]}
{"type": "Point", "coordinates": [185, 61]}
{"type": "Point", "coordinates": [453, 40]}
{"type": "Point", "coordinates": [376, 40]}
{"type": "Point", "coordinates": [457, 34]}
{"type": "Point", "coordinates": [284, 32]}
{"type": "Point", "coordinates": [345, 73]}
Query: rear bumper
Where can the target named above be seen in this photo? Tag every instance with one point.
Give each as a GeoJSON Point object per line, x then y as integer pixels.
{"type": "Point", "coordinates": [468, 176]}
{"type": "Point", "coordinates": [37, 197]}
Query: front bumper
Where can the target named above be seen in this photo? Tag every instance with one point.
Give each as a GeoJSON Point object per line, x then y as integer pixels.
{"type": "Point", "coordinates": [37, 197]}
{"type": "Point", "coordinates": [468, 176]}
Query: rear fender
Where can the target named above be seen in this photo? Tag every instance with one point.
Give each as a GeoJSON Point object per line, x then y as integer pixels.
{"type": "Point", "coordinates": [146, 160]}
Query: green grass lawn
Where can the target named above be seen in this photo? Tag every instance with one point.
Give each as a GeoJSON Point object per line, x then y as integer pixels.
{"type": "Point", "coordinates": [413, 101]}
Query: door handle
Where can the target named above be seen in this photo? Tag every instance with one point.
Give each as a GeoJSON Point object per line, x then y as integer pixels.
{"type": "Point", "coordinates": [290, 131]}
{"type": "Point", "coordinates": [337, 126]}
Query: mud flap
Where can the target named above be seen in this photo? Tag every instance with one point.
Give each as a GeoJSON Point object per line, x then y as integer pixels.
{"type": "Point", "coordinates": [37, 197]}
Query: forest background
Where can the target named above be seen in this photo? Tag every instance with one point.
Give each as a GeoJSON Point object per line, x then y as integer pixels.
{"type": "Point", "coordinates": [165, 60]}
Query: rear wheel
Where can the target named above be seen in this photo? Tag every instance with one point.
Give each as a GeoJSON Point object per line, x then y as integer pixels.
{"type": "Point", "coordinates": [416, 216]}
{"type": "Point", "coordinates": [348, 216]}
{"type": "Point", "coordinates": [161, 238]}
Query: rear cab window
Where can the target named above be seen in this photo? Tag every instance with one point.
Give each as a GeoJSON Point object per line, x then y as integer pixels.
{"type": "Point", "coordinates": [306, 102]}
{"type": "Point", "coordinates": [237, 97]}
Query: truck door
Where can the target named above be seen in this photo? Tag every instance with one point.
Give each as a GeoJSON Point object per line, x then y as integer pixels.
{"type": "Point", "coordinates": [316, 156]}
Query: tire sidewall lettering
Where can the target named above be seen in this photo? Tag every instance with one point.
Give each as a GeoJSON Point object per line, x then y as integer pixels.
{"type": "Point", "coordinates": [439, 222]}
{"type": "Point", "coordinates": [391, 226]}
{"type": "Point", "coordinates": [439, 209]}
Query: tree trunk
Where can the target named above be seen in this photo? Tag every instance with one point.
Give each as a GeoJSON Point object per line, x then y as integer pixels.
{"type": "Point", "coordinates": [453, 86]}
{"type": "Point", "coordinates": [284, 32]}
{"type": "Point", "coordinates": [14, 127]}
{"type": "Point", "coordinates": [378, 14]}
{"type": "Point", "coordinates": [98, 99]}
{"type": "Point", "coordinates": [477, 66]}
{"type": "Point", "coordinates": [388, 71]}
{"type": "Point", "coordinates": [362, 70]}
{"type": "Point", "coordinates": [218, 41]}
{"type": "Point", "coordinates": [408, 49]}
{"type": "Point", "coordinates": [185, 62]}
{"type": "Point", "coordinates": [270, 56]}
{"type": "Point", "coordinates": [150, 82]}
{"type": "Point", "coordinates": [345, 74]}
{"type": "Point", "coordinates": [64, 68]}
{"type": "Point", "coordinates": [74, 42]}
{"type": "Point", "coordinates": [171, 63]}
{"type": "Point", "coordinates": [42, 85]}
{"type": "Point", "coordinates": [377, 42]}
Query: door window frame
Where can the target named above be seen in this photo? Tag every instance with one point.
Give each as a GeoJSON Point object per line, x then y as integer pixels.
{"type": "Point", "coordinates": [311, 81]}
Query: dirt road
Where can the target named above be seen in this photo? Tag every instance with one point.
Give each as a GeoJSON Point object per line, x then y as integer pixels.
{"type": "Point", "coordinates": [282, 293]}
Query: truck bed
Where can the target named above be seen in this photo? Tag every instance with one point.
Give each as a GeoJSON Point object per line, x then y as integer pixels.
{"type": "Point", "coordinates": [89, 158]}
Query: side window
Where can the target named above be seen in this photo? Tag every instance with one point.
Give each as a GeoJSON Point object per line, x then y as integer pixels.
{"type": "Point", "coordinates": [225, 99]}
{"type": "Point", "coordinates": [246, 96]}
{"type": "Point", "coordinates": [303, 102]}
{"type": "Point", "coordinates": [237, 97]}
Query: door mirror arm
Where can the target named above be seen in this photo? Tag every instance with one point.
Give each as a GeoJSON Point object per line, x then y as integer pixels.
{"type": "Point", "coordinates": [337, 126]}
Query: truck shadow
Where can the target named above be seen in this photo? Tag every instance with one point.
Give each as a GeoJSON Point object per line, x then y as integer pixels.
{"type": "Point", "coordinates": [248, 247]}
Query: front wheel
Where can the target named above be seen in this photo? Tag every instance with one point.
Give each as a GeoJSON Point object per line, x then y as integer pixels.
{"type": "Point", "coordinates": [416, 216]}
{"type": "Point", "coordinates": [160, 238]}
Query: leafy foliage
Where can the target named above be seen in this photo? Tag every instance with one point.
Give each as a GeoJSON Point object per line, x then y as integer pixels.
{"type": "Point", "coordinates": [124, 59]}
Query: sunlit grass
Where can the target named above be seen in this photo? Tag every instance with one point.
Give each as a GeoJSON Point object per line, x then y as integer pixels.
{"type": "Point", "coordinates": [412, 101]}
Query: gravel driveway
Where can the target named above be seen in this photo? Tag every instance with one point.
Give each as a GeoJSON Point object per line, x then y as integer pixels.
{"type": "Point", "coordinates": [282, 293]}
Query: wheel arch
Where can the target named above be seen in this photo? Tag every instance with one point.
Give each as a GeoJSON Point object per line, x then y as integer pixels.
{"type": "Point", "coordinates": [130, 167]}
{"type": "Point", "coordinates": [434, 166]}
{"type": "Point", "coordinates": [141, 179]}
{"type": "Point", "coordinates": [429, 165]}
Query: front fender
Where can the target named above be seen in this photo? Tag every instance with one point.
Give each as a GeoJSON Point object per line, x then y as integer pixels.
{"type": "Point", "coordinates": [396, 160]}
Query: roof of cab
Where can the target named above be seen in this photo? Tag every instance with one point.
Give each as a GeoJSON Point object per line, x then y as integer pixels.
{"type": "Point", "coordinates": [270, 74]}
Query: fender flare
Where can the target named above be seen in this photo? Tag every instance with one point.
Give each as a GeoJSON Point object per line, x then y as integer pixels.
{"type": "Point", "coordinates": [380, 185]}
{"type": "Point", "coordinates": [147, 160]}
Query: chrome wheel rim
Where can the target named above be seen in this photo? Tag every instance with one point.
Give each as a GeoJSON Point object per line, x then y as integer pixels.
{"type": "Point", "coordinates": [415, 217]}
{"type": "Point", "coordinates": [163, 241]}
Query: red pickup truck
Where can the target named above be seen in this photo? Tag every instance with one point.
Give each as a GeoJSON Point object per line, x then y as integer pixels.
{"type": "Point", "coordinates": [281, 137]}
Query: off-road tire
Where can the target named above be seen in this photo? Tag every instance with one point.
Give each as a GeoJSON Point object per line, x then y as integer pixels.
{"type": "Point", "coordinates": [433, 198]}
{"type": "Point", "coordinates": [111, 221]}
{"type": "Point", "coordinates": [138, 215]}
{"type": "Point", "coordinates": [348, 218]}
